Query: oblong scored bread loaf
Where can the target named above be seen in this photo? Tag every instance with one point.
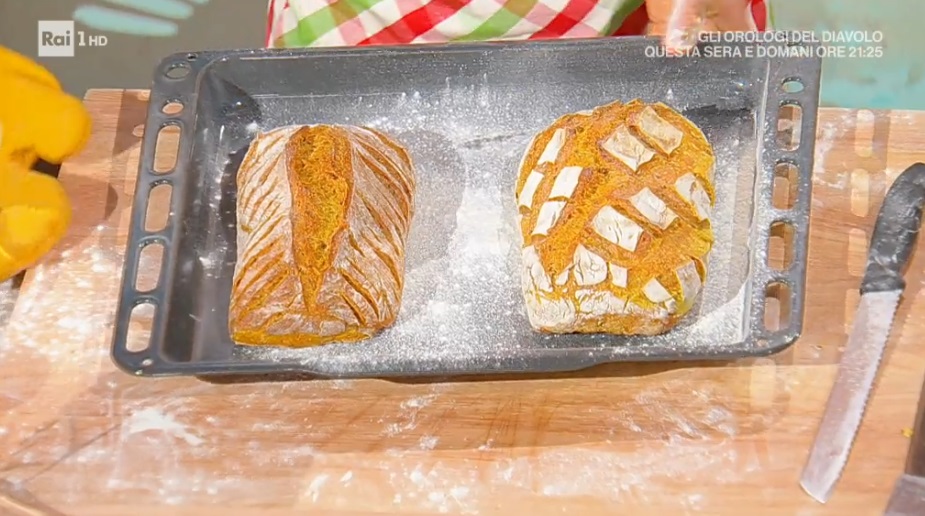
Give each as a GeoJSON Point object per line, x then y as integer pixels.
{"type": "Point", "coordinates": [614, 209]}
{"type": "Point", "coordinates": [323, 214]}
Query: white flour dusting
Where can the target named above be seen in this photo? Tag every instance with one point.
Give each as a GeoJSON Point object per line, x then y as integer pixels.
{"type": "Point", "coordinates": [675, 432]}
{"type": "Point", "coordinates": [68, 275]}
{"type": "Point", "coordinates": [174, 449]}
{"type": "Point", "coordinates": [825, 172]}
{"type": "Point", "coordinates": [429, 442]}
{"type": "Point", "coordinates": [407, 415]}
{"type": "Point", "coordinates": [314, 489]}
{"type": "Point", "coordinates": [152, 419]}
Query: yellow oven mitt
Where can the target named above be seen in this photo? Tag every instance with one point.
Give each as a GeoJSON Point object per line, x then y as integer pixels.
{"type": "Point", "coordinates": [37, 120]}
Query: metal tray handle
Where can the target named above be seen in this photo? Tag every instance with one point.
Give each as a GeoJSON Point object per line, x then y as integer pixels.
{"type": "Point", "coordinates": [785, 90]}
{"type": "Point", "coordinates": [170, 81]}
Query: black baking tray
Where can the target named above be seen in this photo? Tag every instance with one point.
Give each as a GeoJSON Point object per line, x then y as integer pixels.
{"type": "Point", "coordinates": [466, 113]}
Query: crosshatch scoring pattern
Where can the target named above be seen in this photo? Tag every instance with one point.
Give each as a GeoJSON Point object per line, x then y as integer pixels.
{"type": "Point", "coordinates": [617, 274]}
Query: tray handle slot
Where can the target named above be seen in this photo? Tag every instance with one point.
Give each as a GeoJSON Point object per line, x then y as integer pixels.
{"type": "Point", "coordinates": [135, 335]}
{"type": "Point", "coordinates": [141, 319]}
{"type": "Point", "coordinates": [780, 246]}
{"type": "Point", "coordinates": [177, 70]}
{"type": "Point", "coordinates": [172, 107]}
{"type": "Point", "coordinates": [150, 266]}
{"type": "Point", "coordinates": [786, 185]}
{"type": "Point", "coordinates": [780, 308]}
{"type": "Point", "coordinates": [142, 291]}
{"type": "Point", "coordinates": [166, 148]}
{"type": "Point", "coordinates": [784, 189]}
{"type": "Point", "coordinates": [157, 212]}
{"type": "Point", "coordinates": [791, 85]}
{"type": "Point", "coordinates": [144, 277]}
{"type": "Point", "coordinates": [164, 159]}
{"type": "Point", "coordinates": [789, 125]}
{"type": "Point", "coordinates": [778, 298]}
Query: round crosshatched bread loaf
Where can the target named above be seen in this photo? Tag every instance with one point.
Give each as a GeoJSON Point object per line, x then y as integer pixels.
{"type": "Point", "coordinates": [614, 209]}
{"type": "Point", "coordinates": [323, 215]}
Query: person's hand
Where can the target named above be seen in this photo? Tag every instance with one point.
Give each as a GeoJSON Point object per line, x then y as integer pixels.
{"type": "Point", "coordinates": [37, 120]}
{"type": "Point", "coordinates": [680, 22]}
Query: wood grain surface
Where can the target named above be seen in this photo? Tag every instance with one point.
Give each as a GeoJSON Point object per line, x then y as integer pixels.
{"type": "Point", "coordinates": [78, 437]}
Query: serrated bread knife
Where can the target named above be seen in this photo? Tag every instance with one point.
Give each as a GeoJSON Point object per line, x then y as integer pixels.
{"type": "Point", "coordinates": [891, 244]}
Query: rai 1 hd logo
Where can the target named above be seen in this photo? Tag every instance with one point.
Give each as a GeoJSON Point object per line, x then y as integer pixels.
{"type": "Point", "coordinates": [58, 38]}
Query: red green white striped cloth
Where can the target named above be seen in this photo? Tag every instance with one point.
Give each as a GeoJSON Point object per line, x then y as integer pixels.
{"type": "Point", "coordinates": [306, 23]}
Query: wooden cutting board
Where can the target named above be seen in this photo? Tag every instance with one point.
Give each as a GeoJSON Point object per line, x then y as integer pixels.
{"type": "Point", "coordinates": [79, 437]}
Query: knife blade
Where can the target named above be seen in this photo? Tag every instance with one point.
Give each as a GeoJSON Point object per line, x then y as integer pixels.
{"type": "Point", "coordinates": [908, 498]}
{"type": "Point", "coordinates": [891, 244]}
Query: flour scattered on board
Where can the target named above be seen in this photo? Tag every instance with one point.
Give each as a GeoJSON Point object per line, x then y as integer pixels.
{"type": "Point", "coordinates": [314, 489]}
{"type": "Point", "coordinates": [828, 134]}
{"type": "Point", "coordinates": [429, 442]}
{"type": "Point", "coordinates": [152, 419]}
{"type": "Point", "coordinates": [55, 284]}
{"type": "Point", "coordinates": [824, 143]}
{"type": "Point", "coordinates": [406, 416]}
{"type": "Point", "coordinates": [676, 432]}
{"type": "Point", "coordinates": [669, 434]}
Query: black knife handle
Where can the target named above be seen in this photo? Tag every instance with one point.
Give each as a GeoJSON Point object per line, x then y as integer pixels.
{"type": "Point", "coordinates": [895, 232]}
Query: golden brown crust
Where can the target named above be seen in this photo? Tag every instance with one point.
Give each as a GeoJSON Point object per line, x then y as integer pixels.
{"type": "Point", "coordinates": [323, 217]}
{"type": "Point", "coordinates": [319, 167]}
{"type": "Point", "coordinates": [614, 215]}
